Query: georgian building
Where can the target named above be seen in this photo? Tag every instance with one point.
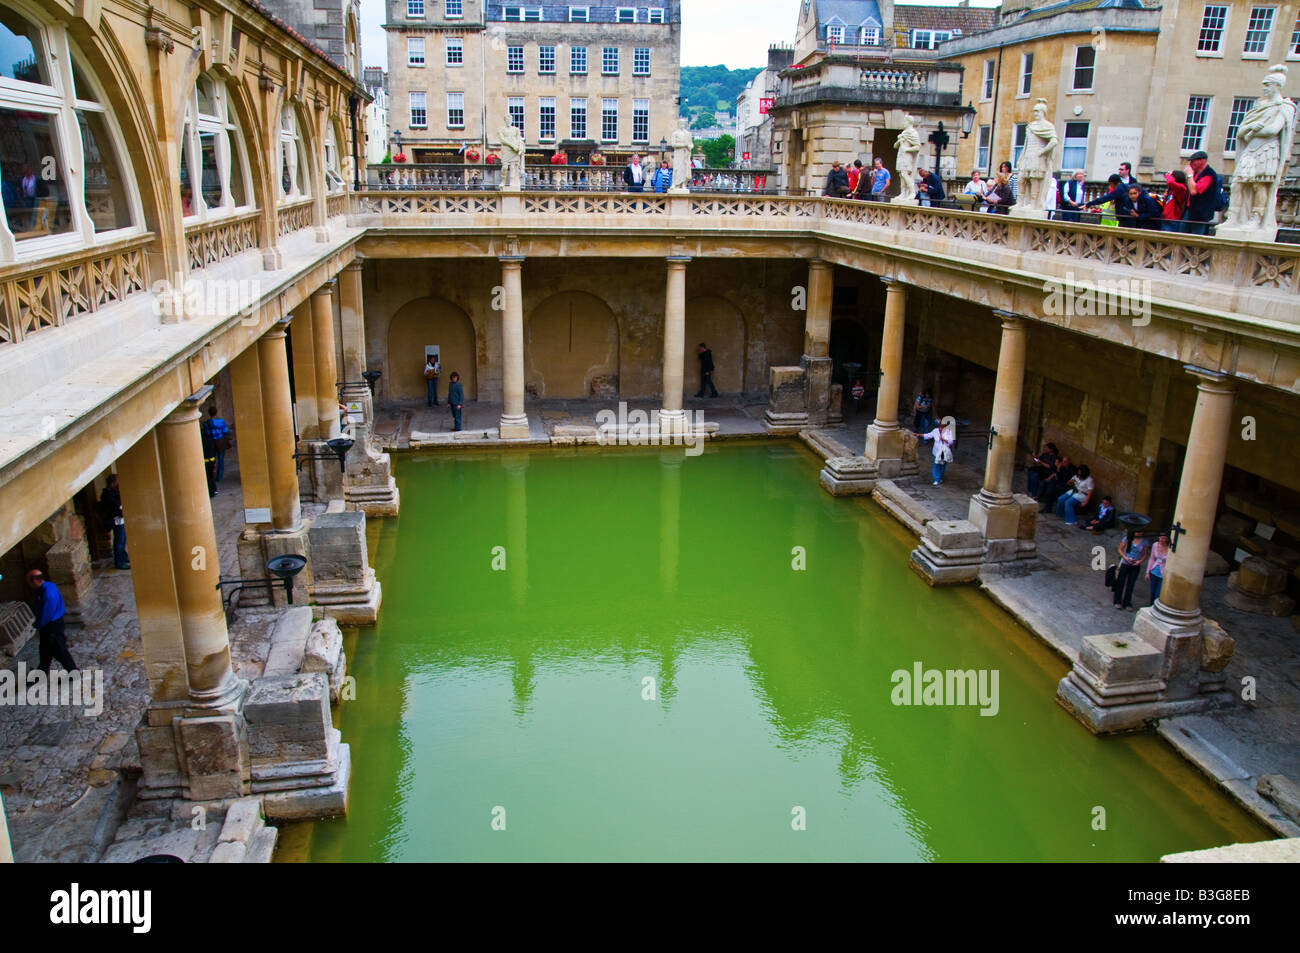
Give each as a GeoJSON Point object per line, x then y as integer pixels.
{"type": "Point", "coordinates": [577, 78]}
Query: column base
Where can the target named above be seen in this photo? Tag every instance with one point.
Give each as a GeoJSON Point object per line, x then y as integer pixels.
{"type": "Point", "coordinates": [672, 422]}
{"type": "Point", "coordinates": [1007, 524]}
{"type": "Point", "coordinates": [951, 553]}
{"type": "Point", "coordinates": [884, 450]}
{"type": "Point", "coordinates": [272, 259]}
{"type": "Point", "coordinates": [904, 200]}
{"type": "Point", "coordinates": [1245, 233]}
{"type": "Point", "coordinates": [514, 427]}
{"type": "Point", "coordinates": [342, 582]}
{"type": "Point", "coordinates": [817, 389]}
{"type": "Point", "coordinates": [848, 476]}
{"type": "Point", "coordinates": [320, 480]}
{"type": "Point", "coordinates": [784, 424]}
{"type": "Point", "coordinates": [368, 484]}
{"type": "Point", "coordinates": [787, 401]}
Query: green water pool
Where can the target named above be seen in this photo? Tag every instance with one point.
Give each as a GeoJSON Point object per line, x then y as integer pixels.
{"type": "Point", "coordinates": [651, 678]}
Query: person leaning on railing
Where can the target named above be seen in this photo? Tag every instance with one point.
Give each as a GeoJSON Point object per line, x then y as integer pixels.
{"type": "Point", "coordinates": [1175, 203]}
{"type": "Point", "coordinates": [999, 195]}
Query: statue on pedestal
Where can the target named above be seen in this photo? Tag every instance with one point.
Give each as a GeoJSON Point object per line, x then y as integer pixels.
{"type": "Point", "coordinates": [908, 145]}
{"type": "Point", "coordinates": [681, 144]}
{"type": "Point", "coordinates": [1037, 164]}
{"type": "Point", "coordinates": [512, 158]}
{"type": "Point", "coordinates": [1263, 148]}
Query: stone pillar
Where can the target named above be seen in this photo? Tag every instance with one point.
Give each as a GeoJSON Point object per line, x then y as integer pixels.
{"type": "Point", "coordinates": [514, 422]}
{"type": "Point", "coordinates": [884, 437]}
{"type": "Point", "coordinates": [672, 419]}
{"type": "Point", "coordinates": [304, 375]}
{"type": "Point", "coordinates": [516, 467]}
{"type": "Point", "coordinates": [816, 360]}
{"type": "Point", "coordinates": [286, 511]}
{"type": "Point", "coordinates": [322, 326]}
{"type": "Point", "coordinates": [670, 519]}
{"type": "Point", "coordinates": [994, 510]}
{"type": "Point", "coordinates": [194, 564]}
{"type": "Point", "coordinates": [352, 334]}
{"type": "Point", "coordinates": [1172, 661]}
{"type": "Point", "coordinates": [250, 431]}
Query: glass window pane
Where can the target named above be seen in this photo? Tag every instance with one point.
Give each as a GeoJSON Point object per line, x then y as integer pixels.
{"type": "Point", "coordinates": [207, 102]}
{"type": "Point", "coordinates": [105, 189]}
{"type": "Point", "coordinates": [211, 174]}
{"type": "Point", "coordinates": [187, 181]}
{"type": "Point", "coordinates": [286, 177]}
{"type": "Point", "coordinates": [21, 54]}
{"type": "Point", "coordinates": [238, 191]}
{"type": "Point", "coordinates": [83, 89]}
{"type": "Point", "coordinates": [32, 182]}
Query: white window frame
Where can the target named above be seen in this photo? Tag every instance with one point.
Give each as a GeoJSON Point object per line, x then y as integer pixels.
{"type": "Point", "coordinates": [641, 116]}
{"type": "Point", "coordinates": [415, 52]}
{"type": "Point", "coordinates": [1074, 69]}
{"type": "Point", "coordinates": [835, 34]}
{"type": "Point", "coordinates": [293, 153]}
{"type": "Point", "coordinates": [929, 39]}
{"type": "Point", "coordinates": [415, 9]}
{"type": "Point", "coordinates": [458, 49]}
{"type": "Point", "coordinates": [637, 58]}
{"type": "Point", "coordinates": [1025, 83]}
{"type": "Point", "coordinates": [452, 100]}
{"type": "Point", "coordinates": [1262, 53]}
{"type": "Point", "coordinates": [604, 114]}
{"type": "Point", "coordinates": [869, 36]}
{"type": "Point", "coordinates": [1065, 140]}
{"type": "Point", "coordinates": [542, 104]}
{"type": "Point", "coordinates": [230, 150]}
{"type": "Point", "coordinates": [515, 110]}
{"type": "Point", "coordinates": [987, 83]}
{"type": "Point", "coordinates": [1019, 138]}
{"type": "Point", "coordinates": [605, 59]}
{"type": "Point", "coordinates": [1222, 29]}
{"type": "Point", "coordinates": [453, 9]}
{"type": "Point", "coordinates": [655, 15]}
{"type": "Point", "coordinates": [541, 60]}
{"type": "Point", "coordinates": [618, 16]}
{"type": "Point", "coordinates": [579, 15]}
{"type": "Point", "coordinates": [1293, 48]}
{"type": "Point", "coordinates": [1235, 116]}
{"type": "Point", "coordinates": [576, 105]}
{"type": "Point", "coordinates": [983, 148]}
{"type": "Point", "coordinates": [411, 107]}
{"type": "Point", "coordinates": [577, 53]}
{"type": "Point", "coordinates": [1186, 150]}
{"type": "Point", "coordinates": [333, 172]}
{"type": "Point", "coordinates": [511, 52]}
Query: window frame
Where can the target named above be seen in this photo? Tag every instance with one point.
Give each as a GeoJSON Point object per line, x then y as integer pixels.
{"type": "Point", "coordinates": [1066, 138]}
{"type": "Point", "coordinates": [1075, 68]}
{"type": "Point", "coordinates": [1293, 46]}
{"type": "Point", "coordinates": [459, 9]}
{"type": "Point", "coordinates": [988, 82]}
{"type": "Point", "coordinates": [604, 117]}
{"type": "Point", "coordinates": [1025, 82]}
{"type": "Point", "coordinates": [874, 32]}
{"type": "Point", "coordinates": [411, 42]}
{"type": "Point", "coordinates": [451, 109]}
{"type": "Point", "coordinates": [410, 111]}
{"type": "Point", "coordinates": [1019, 139]}
{"type": "Point", "coordinates": [541, 119]}
{"type": "Point", "coordinates": [655, 15]}
{"type": "Point", "coordinates": [576, 53]}
{"type": "Point", "coordinates": [835, 33]}
{"type": "Point", "coordinates": [1184, 149]}
{"type": "Point", "coordinates": [511, 53]}
{"type": "Point", "coordinates": [1261, 54]}
{"type": "Point", "coordinates": [605, 59]}
{"type": "Point", "coordinates": [584, 18]}
{"type": "Point", "coordinates": [983, 148]}
{"type": "Point", "coordinates": [458, 49]}
{"type": "Point", "coordinates": [1222, 29]}
{"type": "Point", "coordinates": [573, 111]}
{"type": "Point", "coordinates": [640, 112]}
{"type": "Point", "coordinates": [411, 6]}
{"type": "Point", "coordinates": [1234, 123]}
{"type": "Point", "coordinates": [541, 60]}
{"type": "Point", "coordinates": [516, 108]}
{"type": "Point", "coordinates": [636, 60]}
{"type": "Point", "coordinates": [619, 11]}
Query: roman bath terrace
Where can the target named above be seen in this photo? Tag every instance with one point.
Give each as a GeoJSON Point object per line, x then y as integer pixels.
{"type": "Point", "coordinates": [349, 618]}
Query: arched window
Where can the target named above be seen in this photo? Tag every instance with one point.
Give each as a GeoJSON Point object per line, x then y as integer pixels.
{"type": "Point", "coordinates": [350, 48]}
{"type": "Point", "coordinates": [293, 172]}
{"type": "Point", "coordinates": [212, 155]}
{"type": "Point", "coordinates": [334, 181]}
{"type": "Point", "coordinates": [62, 182]}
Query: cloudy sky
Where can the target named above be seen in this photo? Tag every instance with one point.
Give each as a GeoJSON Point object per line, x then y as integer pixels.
{"type": "Point", "coordinates": [735, 33]}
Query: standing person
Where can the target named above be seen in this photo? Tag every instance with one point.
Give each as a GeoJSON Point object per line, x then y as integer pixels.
{"type": "Point", "coordinates": [921, 407]}
{"type": "Point", "coordinates": [48, 609]}
{"type": "Point", "coordinates": [706, 370]}
{"type": "Point", "coordinates": [976, 187]}
{"type": "Point", "coordinates": [858, 391]}
{"type": "Point", "coordinates": [432, 368]}
{"type": "Point", "coordinates": [1156, 566]}
{"type": "Point", "coordinates": [110, 504]}
{"type": "Point", "coordinates": [837, 181]}
{"type": "Point", "coordinates": [1001, 196]}
{"type": "Point", "coordinates": [1126, 176]}
{"type": "Point", "coordinates": [1117, 197]}
{"type": "Point", "coordinates": [1204, 194]}
{"type": "Point", "coordinates": [930, 188]}
{"type": "Point", "coordinates": [1131, 555]}
{"type": "Point", "coordinates": [209, 455]}
{"type": "Point", "coordinates": [944, 436]}
{"type": "Point", "coordinates": [634, 175]}
{"type": "Point", "coordinates": [663, 178]}
{"type": "Point", "coordinates": [456, 398]}
{"type": "Point", "coordinates": [1042, 466]}
{"type": "Point", "coordinates": [220, 431]}
{"type": "Point", "coordinates": [879, 179]}
{"type": "Point", "coordinates": [1175, 206]}
{"type": "Point", "coordinates": [1076, 496]}
{"type": "Point", "coordinates": [1147, 212]}
{"type": "Point", "coordinates": [1072, 198]}
{"type": "Point", "coordinates": [855, 175]}
{"type": "Point", "coordinates": [1013, 180]}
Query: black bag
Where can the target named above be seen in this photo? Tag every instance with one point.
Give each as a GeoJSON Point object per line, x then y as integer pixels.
{"type": "Point", "coordinates": [1112, 576]}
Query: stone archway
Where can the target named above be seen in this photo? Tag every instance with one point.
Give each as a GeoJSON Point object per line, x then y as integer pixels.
{"type": "Point", "coordinates": [429, 321]}
{"type": "Point", "coordinates": [571, 347]}
{"type": "Point", "coordinates": [719, 324]}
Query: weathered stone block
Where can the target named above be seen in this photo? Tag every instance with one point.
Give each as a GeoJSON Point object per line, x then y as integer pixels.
{"type": "Point", "coordinates": [338, 548]}
{"type": "Point", "coordinates": [1282, 791]}
{"type": "Point", "coordinates": [324, 653]}
{"type": "Point", "coordinates": [289, 641]}
{"type": "Point", "coordinates": [288, 719]}
{"type": "Point", "coordinates": [1121, 657]}
{"type": "Point", "coordinates": [213, 752]}
{"type": "Point", "coordinates": [954, 535]}
{"type": "Point", "coordinates": [243, 821]}
{"type": "Point", "coordinates": [1258, 577]}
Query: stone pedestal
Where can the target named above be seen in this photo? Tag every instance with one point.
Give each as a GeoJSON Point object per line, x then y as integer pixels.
{"type": "Point", "coordinates": [817, 389]}
{"type": "Point", "coordinates": [951, 552]}
{"type": "Point", "coordinates": [884, 450]}
{"type": "Point", "coordinates": [1007, 525]}
{"type": "Point", "coordinates": [254, 549]}
{"type": "Point", "coordinates": [342, 582]}
{"type": "Point", "coordinates": [68, 563]}
{"type": "Point", "coordinates": [368, 484]}
{"type": "Point", "coordinates": [787, 401]}
{"type": "Point", "coordinates": [1259, 586]}
{"type": "Point", "coordinates": [320, 480]}
{"type": "Point", "coordinates": [848, 476]}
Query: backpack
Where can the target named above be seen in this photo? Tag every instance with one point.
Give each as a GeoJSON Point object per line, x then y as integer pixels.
{"type": "Point", "coordinates": [1221, 199]}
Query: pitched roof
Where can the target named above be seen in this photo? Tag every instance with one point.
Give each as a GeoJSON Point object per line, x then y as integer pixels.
{"type": "Point", "coordinates": [851, 13]}
{"type": "Point", "coordinates": [1079, 6]}
{"type": "Point", "coordinates": [966, 19]}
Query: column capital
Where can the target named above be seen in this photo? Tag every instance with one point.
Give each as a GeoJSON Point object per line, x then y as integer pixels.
{"type": "Point", "coordinates": [186, 413]}
{"type": "Point", "coordinates": [511, 260]}
{"type": "Point", "coordinates": [889, 281]}
{"type": "Point", "coordinates": [820, 264]}
{"type": "Point", "coordinates": [277, 332]}
{"type": "Point", "coordinates": [677, 259]}
{"type": "Point", "coordinates": [1009, 319]}
{"type": "Point", "coordinates": [1214, 382]}
{"type": "Point", "coordinates": [327, 287]}
{"type": "Point", "coordinates": [354, 265]}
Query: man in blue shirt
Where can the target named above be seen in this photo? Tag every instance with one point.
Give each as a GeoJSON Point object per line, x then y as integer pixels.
{"type": "Point", "coordinates": [456, 398]}
{"type": "Point", "coordinates": [48, 609]}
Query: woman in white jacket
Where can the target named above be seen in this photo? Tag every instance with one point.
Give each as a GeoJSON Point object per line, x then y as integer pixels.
{"type": "Point", "coordinates": [944, 436]}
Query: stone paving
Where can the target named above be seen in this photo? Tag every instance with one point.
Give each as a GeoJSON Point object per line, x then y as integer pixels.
{"type": "Point", "coordinates": [67, 777]}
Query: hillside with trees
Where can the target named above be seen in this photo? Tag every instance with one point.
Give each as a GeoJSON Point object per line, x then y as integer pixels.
{"type": "Point", "coordinates": [712, 88]}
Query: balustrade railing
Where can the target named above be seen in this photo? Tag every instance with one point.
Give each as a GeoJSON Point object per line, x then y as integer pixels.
{"type": "Point", "coordinates": [211, 242]}
{"type": "Point", "coordinates": [555, 178]}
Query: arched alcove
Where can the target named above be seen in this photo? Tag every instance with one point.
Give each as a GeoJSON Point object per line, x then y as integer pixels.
{"type": "Point", "coordinates": [422, 322]}
{"type": "Point", "coordinates": [719, 324]}
{"type": "Point", "coordinates": [571, 346]}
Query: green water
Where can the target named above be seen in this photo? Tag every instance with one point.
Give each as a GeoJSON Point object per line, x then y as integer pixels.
{"type": "Point", "coordinates": [523, 689]}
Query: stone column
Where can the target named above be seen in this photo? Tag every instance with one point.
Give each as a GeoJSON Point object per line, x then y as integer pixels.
{"type": "Point", "coordinates": [304, 374]}
{"type": "Point", "coordinates": [816, 359]}
{"type": "Point", "coordinates": [516, 467]}
{"type": "Point", "coordinates": [672, 419]}
{"type": "Point", "coordinates": [327, 395]}
{"type": "Point", "coordinates": [514, 421]}
{"type": "Point", "coordinates": [670, 518]}
{"type": "Point", "coordinates": [286, 511]}
{"type": "Point", "coordinates": [884, 437]}
{"type": "Point", "coordinates": [194, 563]}
{"type": "Point", "coordinates": [352, 334]}
{"type": "Point", "coordinates": [250, 431]}
{"type": "Point", "coordinates": [994, 510]}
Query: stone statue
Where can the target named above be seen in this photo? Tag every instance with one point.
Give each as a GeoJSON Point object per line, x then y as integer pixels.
{"type": "Point", "coordinates": [512, 158]}
{"type": "Point", "coordinates": [1263, 149]}
{"type": "Point", "coordinates": [1037, 164]}
{"type": "Point", "coordinates": [682, 144]}
{"type": "Point", "coordinates": [908, 145]}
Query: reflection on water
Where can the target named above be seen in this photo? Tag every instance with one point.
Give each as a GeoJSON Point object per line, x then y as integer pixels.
{"type": "Point", "coordinates": [652, 677]}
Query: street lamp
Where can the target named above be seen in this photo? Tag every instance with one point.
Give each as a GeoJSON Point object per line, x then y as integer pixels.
{"type": "Point", "coordinates": [967, 120]}
{"type": "Point", "coordinates": [663, 147]}
{"type": "Point", "coordinates": [940, 139]}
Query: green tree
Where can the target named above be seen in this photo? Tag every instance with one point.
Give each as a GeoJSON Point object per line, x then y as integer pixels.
{"type": "Point", "coordinates": [719, 153]}
{"type": "Point", "coordinates": [705, 120]}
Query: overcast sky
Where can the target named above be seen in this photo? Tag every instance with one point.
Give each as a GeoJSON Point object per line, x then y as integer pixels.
{"type": "Point", "coordinates": [735, 33]}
